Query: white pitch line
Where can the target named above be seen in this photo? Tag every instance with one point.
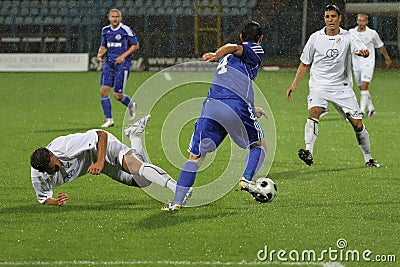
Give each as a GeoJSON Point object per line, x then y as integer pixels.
{"type": "Point", "coordinates": [192, 263]}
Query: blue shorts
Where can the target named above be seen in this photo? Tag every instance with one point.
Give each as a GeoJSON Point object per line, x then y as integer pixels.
{"type": "Point", "coordinates": [220, 117]}
{"type": "Point", "coordinates": [114, 76]}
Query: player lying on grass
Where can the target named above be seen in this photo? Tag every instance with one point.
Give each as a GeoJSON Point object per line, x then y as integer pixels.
{"type": "Point", "coordinates": [69, 157]}
{"type": "Point", "coordinates": [228, 109]}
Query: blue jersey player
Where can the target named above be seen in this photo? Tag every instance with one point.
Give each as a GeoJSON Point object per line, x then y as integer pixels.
{"type": "Point", "coordinates": [118, 43]}
{"type": "Point", "coordinates": [228, 109]}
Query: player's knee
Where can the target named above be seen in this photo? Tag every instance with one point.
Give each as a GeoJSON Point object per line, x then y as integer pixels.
{"type": "Point", "coordinates": [118, 96]}
{"type": "Point", "coordinates": [104, 91]}
{"type": "Point", "coordinates": [259, 143]}
{"type": "Point", "coordinates": [196, 159]}
{"type": "Point", "coordinates": [358, 126]}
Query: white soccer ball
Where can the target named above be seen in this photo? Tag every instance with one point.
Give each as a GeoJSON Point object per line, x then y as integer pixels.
{"type": "Point", "coordinates": [267, 190]}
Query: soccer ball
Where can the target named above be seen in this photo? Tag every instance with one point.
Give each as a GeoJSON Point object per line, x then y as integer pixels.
{"type": "Point", "coordinates": [267, 190]}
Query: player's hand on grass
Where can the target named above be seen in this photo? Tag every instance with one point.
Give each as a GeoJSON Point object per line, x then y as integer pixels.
{"type": "Point", "coordinates": [96, 168]}
{"type": "Point", "coordinates": [61, 199]}
{"type": "Point", "coordinates": [209, 57]}
{"type": "Point", "coordinates": [260, 112]}
{"type": "Point", "coordinates": [363, 53]}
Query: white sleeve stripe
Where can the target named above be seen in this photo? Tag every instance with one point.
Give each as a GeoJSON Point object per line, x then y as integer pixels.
{"type": "Point", "coordinates": [128, 30]}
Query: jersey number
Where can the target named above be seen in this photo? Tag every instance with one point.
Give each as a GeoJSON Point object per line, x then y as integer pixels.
{"type": "Point", "coordinates": [222, 65]}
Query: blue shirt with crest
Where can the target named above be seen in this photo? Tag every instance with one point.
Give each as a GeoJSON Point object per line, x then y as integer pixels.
{"type": "Point", "coordinates": [117, 41]}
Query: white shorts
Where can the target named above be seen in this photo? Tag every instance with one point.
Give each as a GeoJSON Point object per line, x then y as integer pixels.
{"type": "Point", "coordinates": [116, 151]}
{"type": "Point", "coordinates": [344, 100]}
{"type": "Point", "coordinates": [363, 75]}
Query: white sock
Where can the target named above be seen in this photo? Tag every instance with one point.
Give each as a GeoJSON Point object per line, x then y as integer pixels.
{"type": "Point", "coordinates": [370, 105]}
{"type": "Point", "coordinates": [136, 145]}
{"type": "Point", "coordinates": [364, 144]}
{"type": "Point", "coordinates": [310, 133]}
{"type": "Point", "coordinates": [157, 175]}
{"type": "Point", "coordinates": [364, 100]}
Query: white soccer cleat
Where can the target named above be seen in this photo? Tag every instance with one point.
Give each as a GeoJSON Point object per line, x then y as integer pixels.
{"type": "Point", "coordinates": [107, 123]}
{"type": "Point", "coordinates": [171, 207]}
{"type": "Point", "coordinates": [132, 111]}
{"type": "Point", "coordinates": [138, 127]}
{"type": "Point", "coordinates": [248, 186]}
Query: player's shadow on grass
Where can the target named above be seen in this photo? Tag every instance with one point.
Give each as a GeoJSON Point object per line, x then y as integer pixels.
{"type": "Point", "coordinates": [64, 130]}
{"type": "Point", "coordinates": [301, 171]}
{"type": "Point", "coordinates": [116, 205]}
{"type": "Point", "coordinates": [162, 219]}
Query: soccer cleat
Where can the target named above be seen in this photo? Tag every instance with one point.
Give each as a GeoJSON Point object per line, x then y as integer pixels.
{"type": "Point", "coordinates": [107, 123]}
{"type": "Point", "coordinates": [171, 207]}
{"type": "Point", "coordinates": [248, 186]}
{"type": "Point", "coordinates": [138, 127]}
{"type": "Point", "coordinates": [132, 111]}
{"type": "Point", "coordinates": [252, 188]}
{"type": "Point", "coordinates": [372, 163]}
{"type": "Point", "coordinates": [371, 112]}
{"type": "Point", "coordinates": [306, 156]}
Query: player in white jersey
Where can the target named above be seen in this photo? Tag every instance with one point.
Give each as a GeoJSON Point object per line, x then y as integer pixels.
{"type": "Point", "coordinates": [328, 51]}
{"type": "Point", "coordinates": [69, 157]}
{"type": "Point", "coordinates": [363, 68]}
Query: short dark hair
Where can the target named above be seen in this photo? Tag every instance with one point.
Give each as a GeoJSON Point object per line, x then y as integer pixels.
{"type": "Point", "coordinates": [40, 159]}
{"type": "Point", "coordinates": [332, 8]}
{"type": "Point", "coordinates": [251, 32]}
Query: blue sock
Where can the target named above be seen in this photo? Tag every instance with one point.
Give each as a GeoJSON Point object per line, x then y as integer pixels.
{"type": "Point", "coordinates": [106, 104]}
{"type": "Point", "coordinates": [185, 180]}
{"type": "Point", "coordinates": [255, 159]}
{"type": "Point", "coordinates": [126, 100]}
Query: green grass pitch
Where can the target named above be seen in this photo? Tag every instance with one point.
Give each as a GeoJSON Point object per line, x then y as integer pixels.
{"type": "Point", "coordinates": [106, 223]}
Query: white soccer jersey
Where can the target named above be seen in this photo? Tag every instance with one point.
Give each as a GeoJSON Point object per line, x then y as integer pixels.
{"type": "Point", "coordinates": [77, 152]}
{"type": "Point", "coordinates": [330, 59]}
{"type": "Point", "coordinates": [372, 40]}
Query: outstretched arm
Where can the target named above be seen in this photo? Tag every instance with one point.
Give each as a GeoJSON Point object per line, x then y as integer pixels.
{"type": "Point", "coordinates": [98, 166]}
{"type": "Point", "coordinates": [388, 61]}
{"type": "Point", "coordinates": [235, 49]}
{"type": "Point", "coordinates": [301, 70]}
{"type": "Point", "coordinates": [61, 200]}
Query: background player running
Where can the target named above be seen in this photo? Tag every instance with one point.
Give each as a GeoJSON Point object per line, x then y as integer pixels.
{"type": "Point", "coordinates": [118, 43]}
{"type": "Point", "coordinates": [363, 67]}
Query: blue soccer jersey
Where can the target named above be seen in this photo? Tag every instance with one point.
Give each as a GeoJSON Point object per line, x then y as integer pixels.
{"type": "Point", "coordinates": [234, 75]}
{"type": "Point", "coordinates": [118, 41]}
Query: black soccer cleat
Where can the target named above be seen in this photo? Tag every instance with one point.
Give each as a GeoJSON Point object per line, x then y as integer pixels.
{"type": "Point", "coordinates": [306, 156]}
{"type": "Point", "coordinates": [372, 163]}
